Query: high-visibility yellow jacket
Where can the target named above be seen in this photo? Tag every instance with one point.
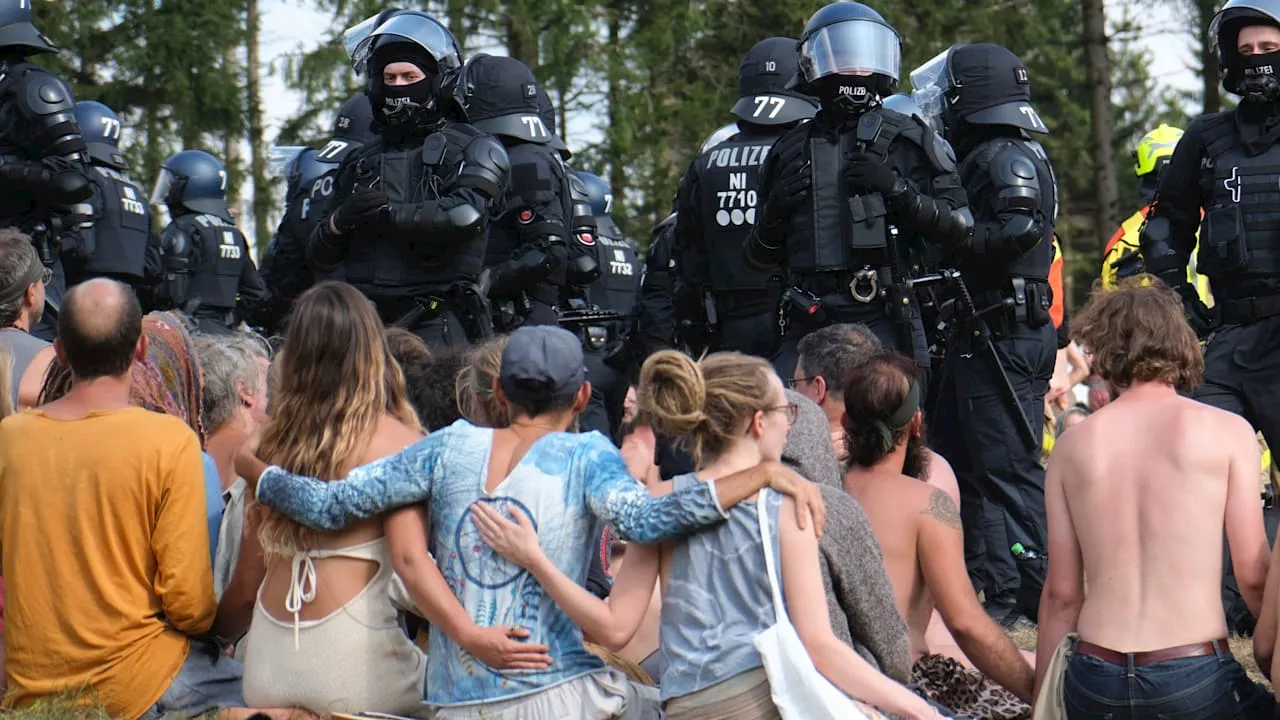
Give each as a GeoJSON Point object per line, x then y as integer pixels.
{"type": "Point", "coordinates": [1125, 241]}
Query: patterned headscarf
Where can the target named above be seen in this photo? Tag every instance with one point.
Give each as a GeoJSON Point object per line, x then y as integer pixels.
{"type": "Point", "coordinates": [169, 380]}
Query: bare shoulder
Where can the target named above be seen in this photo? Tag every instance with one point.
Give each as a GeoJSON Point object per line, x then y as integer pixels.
{"type": "Point", "coordinates": [390, 437]}
{"type": "Point", "coordinates": [942, 476]}
{"type": "Point", "coordinates": [1223, 423]}
{"type": "Point", "coordinates": [940, 506]}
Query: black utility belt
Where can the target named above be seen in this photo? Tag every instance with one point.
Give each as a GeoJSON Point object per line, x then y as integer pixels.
{"type": "Point", "coordinates": [1024, 301]}
{"type": "Point", "coordinates": [1242, 311]}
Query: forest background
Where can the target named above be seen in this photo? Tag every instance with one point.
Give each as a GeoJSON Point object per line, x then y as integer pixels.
{"type": "Point", "coordinates": [638, 84]}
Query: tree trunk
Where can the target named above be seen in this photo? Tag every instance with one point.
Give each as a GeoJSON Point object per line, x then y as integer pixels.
{"type": "Point", "coordinates": [1212, 93]}
{"type": "Point", "coordinates": [522, 36]}
{"type": "Point", "coordinates": [617, 174]}
{"type": "Point", "coordinates": [1098, 69]}
{"type": "Point", "coordinates": [231, 145]}
{"type": "Point", "coordinates": [456, 10]}
{"type": "Point", "coordinates": [262, 195]}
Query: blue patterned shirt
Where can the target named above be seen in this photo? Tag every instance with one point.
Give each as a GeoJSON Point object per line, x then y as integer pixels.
{"type": "Point", "coordinates": [568, 485]}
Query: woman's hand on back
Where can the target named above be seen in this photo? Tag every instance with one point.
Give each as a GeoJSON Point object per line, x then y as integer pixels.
{"type": "Point", "coordinates": [517, 541]}
{"type": "Point", "coordinates": [808, 495]}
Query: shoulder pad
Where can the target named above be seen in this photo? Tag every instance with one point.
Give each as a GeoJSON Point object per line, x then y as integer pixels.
{"type": "Point", "coordinates": [486, 166]}
{"type": "Point", "coordinates": [175, 238]}
{"type": "Point", "coordinates": [1011, 167]}
{"type": "Point", "coordinates": [936, 147]}
{"type": "Point", "coordinates": [46, 94]}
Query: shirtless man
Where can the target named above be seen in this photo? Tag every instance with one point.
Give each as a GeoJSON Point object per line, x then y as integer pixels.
{"type": "Point", "coordinates": [1143, 520]}
{"type": "Point", "coordinates": [918, 525]}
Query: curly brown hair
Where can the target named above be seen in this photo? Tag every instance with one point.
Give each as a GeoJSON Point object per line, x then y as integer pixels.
{"type": "Point", "coordinates": [1139, 333]}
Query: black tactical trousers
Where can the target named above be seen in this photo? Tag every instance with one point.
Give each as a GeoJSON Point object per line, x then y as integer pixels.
{"type": "Point", "coordinates": [976, 429]}
{"type": "Point", "coordinates": [608, 391]}
{"type": "Point", "coordinates": [750, 334]}
{"type": "Point", "coordinates": [1242, 376]}
{"type": "Point", "coordinates": [877, 320]}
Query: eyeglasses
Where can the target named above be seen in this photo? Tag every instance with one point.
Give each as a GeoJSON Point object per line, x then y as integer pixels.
{"type": "Point", "coordinates": [46, 276]}
{"type": "Point", "coordinates": [793, 382]}
{"type": "Point", "coordinates": [792, 410]}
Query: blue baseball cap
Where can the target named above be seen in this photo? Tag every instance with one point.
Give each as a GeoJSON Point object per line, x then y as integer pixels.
{"type": "Point", "coordinates": [542, 362]}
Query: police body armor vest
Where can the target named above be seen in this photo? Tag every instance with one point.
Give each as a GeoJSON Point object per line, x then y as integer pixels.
{"type": "Point", "coordinates": [839, 230]}
{"type": "Point", "coordinates": [221, 253]}
{"type": "Point", "coordinates": [620, 271]}
{"type": "Point", "coordinates": [1240, 234]}
{"type": "Point", "coordinates": [123, 228]}
{"type": "Point", "coordinates": [980, 272]}
{"type": "Point", "coordinates": [424, 173]}
{"type": "Point", "coordinates": [729, 201]}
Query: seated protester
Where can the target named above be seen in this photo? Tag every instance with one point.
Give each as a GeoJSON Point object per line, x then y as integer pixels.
{"type": "Point", "coordinates": [325, 633]}
{"type": "Point", "coordinates": [1071, 417]}
{"type": "Point", "coordinates": [717, 592]}
{"type": "Point", "coordinates": [166, 380]}
{"type": "Point", "coordinates": [859, 595]}
{"type": "Point", "coordinates": [22, 302]}
{"type": "Point", "coordinates": [235, 370]}
{"type": "Point", "coordinates": [1152, 631]}
{"type": "Point", "coordinates": [116, 491]}
{"type": "Point", "coordinates": [918, 527]}
{"type": "Point", "coordinates": [569, 483]}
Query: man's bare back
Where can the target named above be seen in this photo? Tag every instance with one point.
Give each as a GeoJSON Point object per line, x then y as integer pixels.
{"type": "Point", "coordinates": [1143, 489]}
{"type": "Point", "coordinates": [894, 504]}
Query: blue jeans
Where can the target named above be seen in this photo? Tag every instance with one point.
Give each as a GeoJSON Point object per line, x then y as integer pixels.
{"type": "Point", "coordinates": [208, 680]}
{"type": "Point", "coordinates": [1213, 687]}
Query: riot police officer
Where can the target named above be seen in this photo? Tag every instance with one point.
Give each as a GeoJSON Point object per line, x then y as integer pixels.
{"type": "Point", "coordinates": [620, 265]}
{"type": "Point", "coordinates": [998, 364]}
{"type": "Point", "coordinates": [412, 209]}
{"type": "Point", "coordinates": [615, 292]}
{"type": "Point", "coordinates": [1226, 166]}
{"type": "Point", "coordinates": [42, 153]}
{"type": "Point", "coordinates": [528, 253]}
{"type": "Point", "coordinates": [717, 207]}
{"type": "Point", "coordinates": [850, 198]}
{"type": "Point", "coordinates": [208, 272]}
{"type": "Point", "coordinates": [310, 176]}
{"type": "Point", "coordinates": [116, 245]}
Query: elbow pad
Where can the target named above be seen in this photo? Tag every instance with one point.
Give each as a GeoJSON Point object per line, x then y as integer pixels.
{"type": "Point", "coordinates": [1012, 235]}
{"type": "Point", "coordinates": [61, 184]}
{"type": "Point", "coordinates": [486, 167]}
{"type": "Point", "coordinates": [582, 270]}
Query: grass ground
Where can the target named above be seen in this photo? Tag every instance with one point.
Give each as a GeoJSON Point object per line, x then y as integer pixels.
{"type": "Point", "coordinates": [1241, 647]}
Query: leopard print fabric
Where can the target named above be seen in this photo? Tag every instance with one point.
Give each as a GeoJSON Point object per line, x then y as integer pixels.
{"type": "Point", "coordinates": [966, 692]}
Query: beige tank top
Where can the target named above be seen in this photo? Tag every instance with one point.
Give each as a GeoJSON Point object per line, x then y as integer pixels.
{"type": "Point", "coordinates": [356, 659]}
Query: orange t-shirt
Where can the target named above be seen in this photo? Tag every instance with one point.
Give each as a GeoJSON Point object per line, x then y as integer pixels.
{"type": "Point", "coordinates": [104, 539]}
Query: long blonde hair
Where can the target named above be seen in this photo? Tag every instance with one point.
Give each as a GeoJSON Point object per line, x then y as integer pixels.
{"type": "Point", "coordinates": [705, 403]}
{"type": "Point", "coordinates": [474, 385]}
{"type": "Point", "coordinates": [335, 380]}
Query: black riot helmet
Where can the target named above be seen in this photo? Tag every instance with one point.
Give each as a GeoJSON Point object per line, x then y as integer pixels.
{"type": "Point", "coordinates": [357, 39]}
{"type": "Point", "coordinates": [499, 95]}
{"type": "Point", "coordinates": [979, 84]}
{"type": "Point", "coordinates": [547, 112]}
{"type": "Point", "coordinates": [299, 166]}
{"type": "Point", "coordinates": [598, 191]}
{"type": "Point", "coordinates": [352, 128]}
{"type": "Point", "coordinates": [1252, 77]}
{"type": "Point", "coordinates": [193, 180]}
{"type": "Point", "coordinates": [764, 97]}
{"type": "Point", "coordinates": [101, 129]}
{"type": "Point", "coordinates": [413, 37]}
{"type": "Point", "coordinates": [18, 35]}
{"type": "Point", "coordinates": [849, 57]}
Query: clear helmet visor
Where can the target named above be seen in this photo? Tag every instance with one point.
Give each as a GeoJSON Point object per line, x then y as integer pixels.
{"type": "Point", "coordinates": [719, 136]}
{"type": "Point", "coordinates": [281, 159]}
{"type": "Point", "coordinates": [356, 41]}
{"type": "Point", "coordinates": [419, 30]}
{"type": "Point", "coordinates": [164, 183]}
{"type": "Point", "coordinates": [1232, 10]}
{"type": "Point", "coordinates": [862, 47]}
{"type": "Point", "coordinates": [930, 84]}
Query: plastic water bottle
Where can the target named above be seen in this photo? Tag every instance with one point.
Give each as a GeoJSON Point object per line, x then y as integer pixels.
{"type": "Point", "coordinates": [1022, 553]}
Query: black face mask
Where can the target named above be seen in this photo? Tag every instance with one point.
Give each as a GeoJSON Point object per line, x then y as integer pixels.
{"type": "Point", "coordinates": [1261, 83]}
{"type": "Point", "coordinates": [404, 104]}
{"type": "Point", "coordinates": [846, 94]}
